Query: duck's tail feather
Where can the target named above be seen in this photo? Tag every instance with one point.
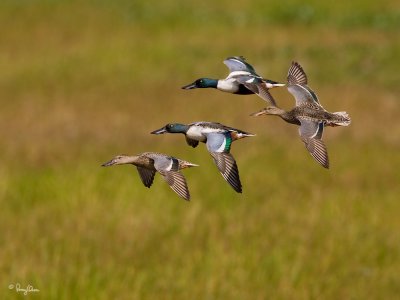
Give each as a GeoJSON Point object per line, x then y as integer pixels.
{"type": "Point", "coordinates": [185, 164]}
{"type": "Point", "coordinates": [343, 118]}
{"type": "Point", "coordinates": [241, 134]}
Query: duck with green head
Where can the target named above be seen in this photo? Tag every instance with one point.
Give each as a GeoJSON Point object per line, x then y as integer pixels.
{"type": "Point", "coordinates": [242, 80]}
{"type": "Point", "coordinates": [218, 139]}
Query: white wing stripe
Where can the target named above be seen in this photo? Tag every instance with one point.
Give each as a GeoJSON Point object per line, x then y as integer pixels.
{"type": "Point", "coordinates": [222, 147]}
{"type": "Point", "coordinates": [170, 165]}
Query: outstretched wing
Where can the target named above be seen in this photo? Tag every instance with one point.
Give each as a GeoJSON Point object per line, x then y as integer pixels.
{"type": "Point", "coordinates": [238, 63]}
{"type": "Point", "coordinates": [177, 182]}
{"type": "Point", "coordinates": [219, 145]}
{"type": "Point", "coordinates": [168, 167]}
{"type": "Point", "coordinates": [297, 86]}
{"type": "Point", "coordinates": [257, 86]}
{"type": "Point", "coordinates": [227, 167]}
{"type": "Point", "coordinates": [296, 74]}
{"type": "Point", "coordinates": [146, 175]}
{"type": "Point", "coordinates": [311, 134]}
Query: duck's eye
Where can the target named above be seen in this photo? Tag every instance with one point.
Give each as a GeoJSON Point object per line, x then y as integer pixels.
{"type": "Point", "coordinates": [171, 125]}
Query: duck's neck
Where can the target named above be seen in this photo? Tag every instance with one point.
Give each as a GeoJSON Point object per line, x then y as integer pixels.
{"type": "Point", "coordinates": [140, 161]}
{"type": "Point", "coordinates": [179, 128]}
{"type": "Point", "coordinates": [210, 83]}
{"type": "Point", "coordinates": [288, 117]}
{"type": "Point", "coordinates": [131, 159]}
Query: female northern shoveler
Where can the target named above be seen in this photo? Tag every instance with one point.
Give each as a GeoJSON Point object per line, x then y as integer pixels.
{"type": "Point", "coordinates": [308, 114]}
{"type": "Point", "coordinates": [149, 163]}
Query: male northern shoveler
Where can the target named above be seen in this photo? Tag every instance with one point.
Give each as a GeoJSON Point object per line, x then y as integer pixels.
{"type": "Point", "coordinates": [308, 114]}
{"type": "Point", "coordinates": [149, 163]}
{"type": "Point", "coordinates": [218, 139]}
{"type": "Point", "coordinates": [242, 80]}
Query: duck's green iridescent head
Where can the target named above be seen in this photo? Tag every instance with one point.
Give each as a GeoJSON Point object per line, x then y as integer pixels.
{"type": "Point", "coordinates": [202, 83]}
{"type": "Point", "coordinates": [172, 128]}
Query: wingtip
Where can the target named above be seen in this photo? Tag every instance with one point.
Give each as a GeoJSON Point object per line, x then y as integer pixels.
{"type": "Point", "coordinates": [295, 63]}
{"type": "Point", "coordinates": [326, 165]}
{"type": "Point", "coordinates": [227, 166]}
{"type": "Point", "coordinates": [237, 188]}
{"type": "Point", "coordinates": [296, 74]}
{"type": "Point", "coordinates": [239, 57]}
{"type": "Point", "coordinates": [319, 152]}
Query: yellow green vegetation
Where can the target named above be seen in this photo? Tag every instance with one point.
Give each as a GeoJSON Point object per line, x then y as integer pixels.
{"type": "Point", "coordinates": [82, 81]}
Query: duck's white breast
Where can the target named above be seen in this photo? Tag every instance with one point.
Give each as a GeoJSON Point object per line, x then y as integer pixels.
{"type": "Point", "coordinates": [195, 133]}
{"type": "Point", "coordinates": [229, 85]}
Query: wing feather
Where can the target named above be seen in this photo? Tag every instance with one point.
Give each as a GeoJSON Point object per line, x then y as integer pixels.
{"type": "Point", "coordinates": [146, 175]}
{"type": "Point", "coordinates": [227, 166]}
{"type": "Point", "coordinates": [177, 182]}
{"type": "Point", "coordinates": [258, 86]}
{"type": "Point", "coordinates": [238, 63]}
{"type": "Point", "coordinates": [311, 134]}
{"type": "Point", "coordinates": [297, 86]}
{"type": "Point", "coordinates": [318, 150]}
{"type": "Point", "coordinates": [296, 74]}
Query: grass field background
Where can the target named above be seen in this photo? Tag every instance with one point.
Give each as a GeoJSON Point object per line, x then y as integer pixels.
{"type": "Point", "coordinates": [82, 81]}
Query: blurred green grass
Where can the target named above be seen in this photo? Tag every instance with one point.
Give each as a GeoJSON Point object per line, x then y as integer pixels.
{"type": "Point", "coordinates": [81, 81]}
